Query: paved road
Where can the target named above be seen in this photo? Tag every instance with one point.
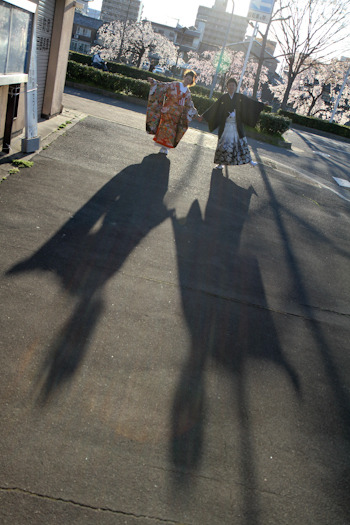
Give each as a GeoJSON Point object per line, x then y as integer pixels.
{"type": "Point", "coordinates": [311, 156]}
{"type": "Point", "coordinates": [174, 340]}
{"type": "Point", "coordinates": [328, 157]}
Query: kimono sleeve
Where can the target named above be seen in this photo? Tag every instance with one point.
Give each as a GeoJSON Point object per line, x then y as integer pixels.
{"type": "Point", "coordinates": [249, 110]}
{"type": "Point", "coordinates": [155, 103]}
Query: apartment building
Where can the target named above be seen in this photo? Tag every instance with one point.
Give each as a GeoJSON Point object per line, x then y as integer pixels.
{"type": "Point", "coordinates": [213, 22]}
{"type": "Point", "coordinates": [186, 38]}
{"type": "Point", "coordinates": [121, 10]}
{"type": "Point", "coordinates": [84, 33]}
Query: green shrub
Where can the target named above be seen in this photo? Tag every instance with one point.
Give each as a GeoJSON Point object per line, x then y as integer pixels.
{"type": "Point", "coordinates": [273, 124]}
{"type": "Point", "coordinates": [125, 84]}
{"type": "Point", "coordinates": [135, 72]}
{"type": "Point", "coordinates": [105, 80]}
{"type": "Point", "coordinates": [317, 123]}
{"type": "Point", "coordinates": [80, 58]}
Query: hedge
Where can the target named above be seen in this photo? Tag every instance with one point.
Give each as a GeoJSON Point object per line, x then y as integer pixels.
{"type": "Point", "coordinates": [273, 124]}
{"type": "Point", "coordinates": [135, 72]}
{"type": "Point", "coordinates": [317, 123]}
{"type": "Point", "coordinates": [105, 80]}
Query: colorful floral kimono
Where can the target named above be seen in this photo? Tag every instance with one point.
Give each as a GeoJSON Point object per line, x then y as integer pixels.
{"type": "Point", "coordinates": [169, 112]}
{"type": "Point", "coordinates": [229, 114]}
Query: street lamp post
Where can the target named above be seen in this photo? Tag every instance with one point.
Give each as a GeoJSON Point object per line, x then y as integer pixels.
{"type": "Point", "coordinates": [222, 53]}
{"type": "Point", "coordinates": [339, 96]}
{"type": "Point", "coordinates": [183, 32]}
{"type": "Point", "coordinates": [256, 28]}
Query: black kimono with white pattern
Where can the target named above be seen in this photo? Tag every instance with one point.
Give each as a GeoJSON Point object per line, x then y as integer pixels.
{"type": "Point", "coordinates": [232, 148]}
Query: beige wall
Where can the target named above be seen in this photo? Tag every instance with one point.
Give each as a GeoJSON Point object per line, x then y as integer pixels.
{"type": "Point", "coordinates": [18, 123]}
{"type": "Point", "coordinates": [3, 105]}
{"type": "Point", "coordinates": [57, 68]}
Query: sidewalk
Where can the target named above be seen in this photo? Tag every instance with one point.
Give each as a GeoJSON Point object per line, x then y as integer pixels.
{"type": "Point", "coordinates": [48, 131]}
{"type": "Point", "coordinates": [173, 340]}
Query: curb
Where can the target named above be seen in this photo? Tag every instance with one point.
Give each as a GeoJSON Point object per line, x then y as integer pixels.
{"type": "Point", "coordinates": [48, 131]}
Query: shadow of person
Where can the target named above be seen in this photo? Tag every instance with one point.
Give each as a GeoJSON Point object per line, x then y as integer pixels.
{"type": "Point", "coordinates": [225, 308]}
{"type": "Point", "coordinates": [90, 248]}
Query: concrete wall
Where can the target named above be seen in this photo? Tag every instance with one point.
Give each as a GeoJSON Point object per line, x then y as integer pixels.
{"type": "Point", "coordinates": [57, 68]}
{"type": "Point", "coordinates": [56, 72]}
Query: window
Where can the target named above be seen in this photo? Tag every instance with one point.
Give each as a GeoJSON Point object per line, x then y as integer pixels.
{"type": "Point", "coordinates": [15, 36]}
{"type": "Point", "coordinates": [83, 31]}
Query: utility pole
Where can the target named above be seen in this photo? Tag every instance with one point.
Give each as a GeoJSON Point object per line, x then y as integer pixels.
{"type": "Point", "coordinates": [252, 38]}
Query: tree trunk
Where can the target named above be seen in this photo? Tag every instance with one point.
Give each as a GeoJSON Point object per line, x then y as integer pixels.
{"type": "Point", "coordinates": [141, 53]}
{"type": "Point", "coordinates": [291, 79]}
{"type": "Point", "coordinates": [312, 105]}
{"type": "Point", "coordinates": [261, 60]}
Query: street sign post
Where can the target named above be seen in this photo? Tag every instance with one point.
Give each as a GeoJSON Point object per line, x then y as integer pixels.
{"type": "Point", "coordinates": [260, 10]}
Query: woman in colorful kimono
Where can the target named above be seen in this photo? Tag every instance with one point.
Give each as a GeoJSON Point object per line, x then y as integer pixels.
{"type": "Point", "coordinates": [169, 110]}
{"type": "Point", "coordinates": [228, 114]}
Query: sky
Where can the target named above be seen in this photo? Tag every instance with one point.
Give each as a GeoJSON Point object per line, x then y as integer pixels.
{"type": "Point", "coordinates": [171, 12]}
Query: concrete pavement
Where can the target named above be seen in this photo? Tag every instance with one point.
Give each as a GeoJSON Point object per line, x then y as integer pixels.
{"type": "Point", "coordinates": [174, 339]}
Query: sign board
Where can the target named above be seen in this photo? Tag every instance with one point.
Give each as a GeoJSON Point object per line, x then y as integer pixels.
{"type": "Point", "coordinates": [260, 10]}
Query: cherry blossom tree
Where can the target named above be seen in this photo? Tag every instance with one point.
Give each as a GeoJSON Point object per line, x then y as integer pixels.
{"type": "Point", "coordinates": [130, 42]}
{"type": "Point", "coordinates": [142, 39]}
{"type": "Point", "coordinates": [110, 38]}
{"type": "Point", "coordinates": [232, 62]}
{"type": "Point", "coordinates": [308, 32]}
{"type": "Point", "coordinates": [315, 91]}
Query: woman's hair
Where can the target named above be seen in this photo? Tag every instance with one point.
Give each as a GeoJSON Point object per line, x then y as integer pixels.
{"type": "Point", "coordinates": [193, 75]}
{"type": "Point", "coordinates": [231, 80]}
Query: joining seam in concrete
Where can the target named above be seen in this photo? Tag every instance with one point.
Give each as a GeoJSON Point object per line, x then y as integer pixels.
{"type": "Point", "coordinates": [85, 506]}
{"type": "Point", "coordinates": [244, 302]}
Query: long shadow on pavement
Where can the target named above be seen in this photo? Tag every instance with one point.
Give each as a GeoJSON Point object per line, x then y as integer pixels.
{"type": "Point", "coordinates": [336, 412]}
{"type": "Point", "coordinates": [89, 249]}
{"type": "Point", "coordinates": [229, 321]}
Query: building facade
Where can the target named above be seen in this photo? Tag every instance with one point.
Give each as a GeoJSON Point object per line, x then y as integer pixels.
{"type": "Point", "coordinates": [84, 34]}
{"type": "Point", "coordinates": [186, 38]}
{"type": "Point", "coordinates": [121, 10]}
{"type": "Point", "coordinates": [213, 23]}
{"type": "Point", "coordinates": [53, 21]}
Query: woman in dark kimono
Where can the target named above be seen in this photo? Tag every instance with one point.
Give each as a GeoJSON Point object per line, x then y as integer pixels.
{"type": "Point", "coordinates": [228, 114]}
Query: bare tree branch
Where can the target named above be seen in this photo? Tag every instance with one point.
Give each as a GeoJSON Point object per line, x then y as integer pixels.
{"type": "Point", "coordinates": [307, 33]}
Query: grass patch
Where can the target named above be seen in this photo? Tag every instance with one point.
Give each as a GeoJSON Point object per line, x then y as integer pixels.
{"type": "Point", "coordinates": [64, 124]}
{"type": "Point", "coordinates": [23, 163]}
{"type": "Point", "coordinates": [275, 139]}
